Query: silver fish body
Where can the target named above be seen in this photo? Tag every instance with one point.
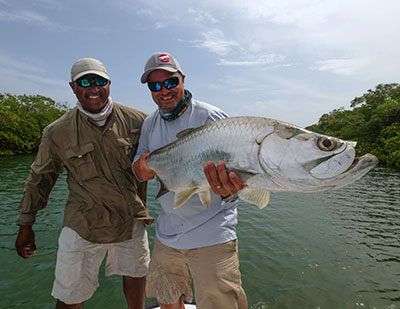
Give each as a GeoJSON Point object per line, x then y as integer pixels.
{"type": "Point", "coordinates": [268, 155]}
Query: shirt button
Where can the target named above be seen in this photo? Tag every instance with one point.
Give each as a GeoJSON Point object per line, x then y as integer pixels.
{"type": "Point", "coordinates": [81, 183]}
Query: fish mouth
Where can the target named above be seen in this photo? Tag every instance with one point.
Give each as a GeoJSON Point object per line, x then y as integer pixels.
{"type": "Point", "coordinates": [366, 161]}
{"type": "Point", "coordinates": [356, 160]}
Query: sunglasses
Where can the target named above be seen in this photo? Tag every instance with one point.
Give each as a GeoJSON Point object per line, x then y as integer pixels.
{"type": "Point", "coordinates": [89, 81]}
{"type": "Point", "coordinates": [168, 83]}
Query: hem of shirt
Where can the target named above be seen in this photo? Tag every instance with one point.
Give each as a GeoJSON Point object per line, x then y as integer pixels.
{"type": "Point", "coordinates": [199, 244]}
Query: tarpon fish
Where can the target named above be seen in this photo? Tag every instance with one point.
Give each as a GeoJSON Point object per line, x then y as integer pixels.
{"type": "Point", "coordinates": [268, 155]}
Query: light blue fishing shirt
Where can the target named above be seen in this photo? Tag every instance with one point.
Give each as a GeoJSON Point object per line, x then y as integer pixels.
{"type": "Point", "coordinates": [192, 225]}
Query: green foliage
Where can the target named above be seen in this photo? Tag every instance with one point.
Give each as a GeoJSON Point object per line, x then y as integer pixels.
{"type": "Point", "coordinates": [374, 122]}
{"type": "Point", "coordinates": [22, 120]}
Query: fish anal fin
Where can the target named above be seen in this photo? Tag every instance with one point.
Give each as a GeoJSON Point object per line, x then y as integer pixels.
{"type": "Point", "coordinates": [205, 198]}
{"type": "Point", "coordinates": [182, 196]}
{"type": "Point", "coordinates": [255, 196]}
{"type": "Point", "coordinates": [163, 189]}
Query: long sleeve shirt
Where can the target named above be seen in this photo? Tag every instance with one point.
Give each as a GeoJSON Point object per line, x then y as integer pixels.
{"type": "Point", "coordinates": [192, 225]}
{"type": "Point", "coordinates": [104, 195]}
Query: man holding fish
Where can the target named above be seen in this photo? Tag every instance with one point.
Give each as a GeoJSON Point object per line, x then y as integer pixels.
{"type": "Point", "coordinates": [192, 242]}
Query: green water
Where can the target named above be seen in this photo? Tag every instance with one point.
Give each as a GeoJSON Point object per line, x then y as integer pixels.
{"type": "Point", "coordinates": [335, 249]}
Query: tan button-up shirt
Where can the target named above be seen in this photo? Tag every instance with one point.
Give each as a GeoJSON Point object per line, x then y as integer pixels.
{"type": "Point", "coordinates": [104, 195]}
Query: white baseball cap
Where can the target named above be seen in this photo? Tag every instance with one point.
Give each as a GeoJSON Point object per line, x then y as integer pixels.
{"type": "Point", "coordinates": [88, 66]}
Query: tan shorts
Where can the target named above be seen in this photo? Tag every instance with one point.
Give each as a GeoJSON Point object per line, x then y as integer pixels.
{"type": "Point", "coordinates": [214, 270]}
{"type": "Point", "coordinates": [78, 262]}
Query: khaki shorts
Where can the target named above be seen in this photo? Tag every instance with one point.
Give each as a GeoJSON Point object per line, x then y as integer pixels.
{"type": "Point", "coordinates": [78, 262]}
{"type": "Point", "coordinates": [214, 271]}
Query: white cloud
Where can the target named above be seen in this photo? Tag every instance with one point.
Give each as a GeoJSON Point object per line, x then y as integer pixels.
{"type": "Point", "coordinates": [201, 16]}
{"type": "Point", "coordinates": [241, 90]}
{"type": "Point", "coordinates": [30, 17]}
{"type": "Point", "coordinates": [19, 76]}
{"type": "Point", "coordinates": [342, 66]}
{"type": "Point", "coordinates": [17, 64]}
{"type": "Point", "coordinates": [22, 71]}
{"type": "Point", "coordinates": [215, 42]}
{"type": "Point", "coordinates": [144, 12]}
{"type": "Point", "coordinates": [159, 25]}
{"type": "Point", "coordinates": [252, 61]}
{"type": "Point", "coordinates": [298, 13]}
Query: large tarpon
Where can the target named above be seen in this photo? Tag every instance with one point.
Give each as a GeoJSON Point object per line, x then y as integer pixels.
{"type": "Point", "coordinates": [268, 155]}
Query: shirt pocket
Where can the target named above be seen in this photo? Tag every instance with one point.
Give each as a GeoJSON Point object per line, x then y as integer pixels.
{"type": "Point", "coordinates": [128, 146]}
{"type": "Point", "coordinates": [81, 162]}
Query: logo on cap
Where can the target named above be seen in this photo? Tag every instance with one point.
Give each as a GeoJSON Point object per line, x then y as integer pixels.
{"type": "Point", "coordinates": [163, 58]}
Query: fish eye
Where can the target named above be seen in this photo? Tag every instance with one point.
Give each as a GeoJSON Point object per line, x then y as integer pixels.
{"type": "Point", "coordinates": [326, 144]}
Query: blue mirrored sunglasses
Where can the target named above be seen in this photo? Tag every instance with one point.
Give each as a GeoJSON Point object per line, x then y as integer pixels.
{"type": "Point", "coordinates": [168, 83]}
{"type": "Point", "coordinates": [90, 81]}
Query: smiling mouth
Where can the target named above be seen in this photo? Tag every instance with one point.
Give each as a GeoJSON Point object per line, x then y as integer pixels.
{"type": "Point", "coordinates": [166, 98]}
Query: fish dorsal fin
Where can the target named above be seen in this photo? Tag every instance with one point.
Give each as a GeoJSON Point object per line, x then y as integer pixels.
{"type": "Point", "coordinates": [205, 198]}
{"type": "Point", "coordinates": [182, 196]}
{"type": "Point", "coordinates": [255, 196]}
{"type": "Point", "coordinates": [184, 132]}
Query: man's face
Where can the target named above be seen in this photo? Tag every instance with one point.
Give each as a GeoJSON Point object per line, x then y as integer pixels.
{"type": "Point", "coordinates": [167, 99]}
{"type": "Point", "coordinates": [92, 98]}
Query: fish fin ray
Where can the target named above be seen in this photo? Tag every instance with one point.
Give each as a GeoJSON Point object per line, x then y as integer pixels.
{"type": "Point", "coordinates": [205, 198]}
{"type": "Point", "coordinates": [182, 196]}
{"type": "Point", "coordinates": [255, 196]}
{"type": "Point", "coordinates": [184, 132]}
{"type": "Point", "coordinates": [244, 175]}
{"type": "Point", "coordinates": [163, 189]}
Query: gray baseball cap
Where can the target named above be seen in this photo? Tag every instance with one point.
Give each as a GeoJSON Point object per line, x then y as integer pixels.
{"type": "Point", "coordinates": [160, 61]}
{"type": "Point", "coordinates": [88, 66]}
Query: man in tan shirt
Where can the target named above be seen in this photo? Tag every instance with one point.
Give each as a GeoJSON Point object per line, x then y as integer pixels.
{"type": "Point", "coordinates": [106, 212]}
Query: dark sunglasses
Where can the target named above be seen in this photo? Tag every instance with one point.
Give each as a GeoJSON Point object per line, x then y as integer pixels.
{"type": "Point", "coordinates": [89, 81]}
{"type": "Point", "coordinates": [168, 83]}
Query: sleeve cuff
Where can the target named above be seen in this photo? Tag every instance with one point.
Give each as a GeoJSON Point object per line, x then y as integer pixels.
{"type": "Point", "coordinates": [26, 219]}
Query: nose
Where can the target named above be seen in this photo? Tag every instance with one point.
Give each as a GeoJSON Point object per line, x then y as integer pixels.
{"type": "Point", "coordinates": [164, 89]}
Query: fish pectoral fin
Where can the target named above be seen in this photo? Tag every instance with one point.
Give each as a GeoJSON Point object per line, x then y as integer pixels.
{"type": "Point", "coordinates": [244, 175]}
{"type": "Point", "coordinates": [255, 196]}
{"type": "Point", "coordinates": [205, 198]}
{"type": "Point", "coordinates": [182, 196]}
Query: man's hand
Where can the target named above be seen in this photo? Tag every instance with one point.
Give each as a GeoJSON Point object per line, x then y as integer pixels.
{"type": "Point", "coordinates": [141, 169]}
{"type": "Point", "coordinates": [221, 182]}
{"type": "Point", "coordinates": [25, 242]}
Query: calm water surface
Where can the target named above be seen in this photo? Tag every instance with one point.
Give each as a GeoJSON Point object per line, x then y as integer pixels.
{"type": "Point", "coordinates": [335, 249]}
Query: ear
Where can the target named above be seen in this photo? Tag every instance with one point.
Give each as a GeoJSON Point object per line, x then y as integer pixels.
{"type": "Point", "coordinates": [72, 85]}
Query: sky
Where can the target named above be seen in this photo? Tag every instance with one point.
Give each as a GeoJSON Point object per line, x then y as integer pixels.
{"type": "Point", "coordinates": [292, 60]}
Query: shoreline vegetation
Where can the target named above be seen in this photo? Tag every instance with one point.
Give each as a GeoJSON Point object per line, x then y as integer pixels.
{"type": "Point", "coordinates": [373, 122]}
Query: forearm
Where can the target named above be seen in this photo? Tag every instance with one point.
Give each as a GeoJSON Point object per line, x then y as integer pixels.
{"type": "Point", "coordinates": [36, 193]}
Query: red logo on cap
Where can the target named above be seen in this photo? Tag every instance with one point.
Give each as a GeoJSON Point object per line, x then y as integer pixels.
{"type": "Point", "coordinates": [163, 58]}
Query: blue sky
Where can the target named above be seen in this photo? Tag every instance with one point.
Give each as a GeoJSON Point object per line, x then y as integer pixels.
{"type": "Point", "coordinates": [292, 60]}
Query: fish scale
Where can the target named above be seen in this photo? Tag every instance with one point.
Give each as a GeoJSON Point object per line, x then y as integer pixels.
{"type": "Point", "coordinates": [268, 155]}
